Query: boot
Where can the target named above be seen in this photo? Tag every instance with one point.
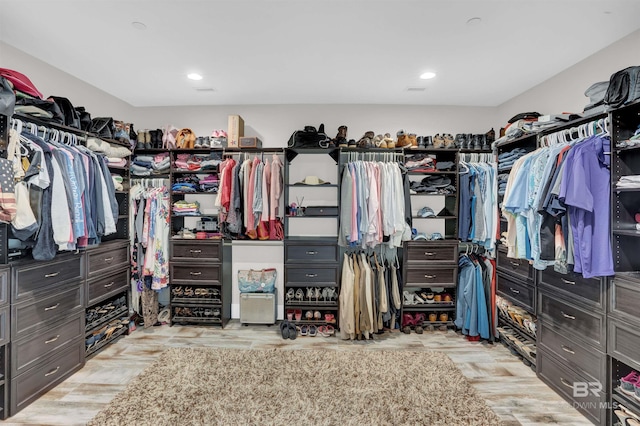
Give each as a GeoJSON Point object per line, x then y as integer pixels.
{"type": "Point", "coordinates": [413, 140]}
{"type": "Point", "coordinates": [341, 137]}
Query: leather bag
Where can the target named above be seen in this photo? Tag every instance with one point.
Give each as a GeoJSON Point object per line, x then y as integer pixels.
{"type": "Point", "coordinates": [104, 127]}
{"type": "Point", "coordinates": [309, 137]}
{"type": "Point", "coordinates": [71, 116]}
{"type": "Point", "coordinates": [257, 281]}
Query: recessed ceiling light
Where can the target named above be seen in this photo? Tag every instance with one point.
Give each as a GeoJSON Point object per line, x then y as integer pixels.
{"type": "Point", "coordinates": [607, 12]}
{"type": "Point", "coordinates": [427, 75]}
{"type": "Point", "coordinates": [474, 21]}
{"type": "Point", "coordinates": [194, 76]}
{"type": "Point", "coordinates": [205, 89]}
{"type": "Point", "coordinates": [138, 25]}
{"type": "Point", "coordinates": [416, 89]}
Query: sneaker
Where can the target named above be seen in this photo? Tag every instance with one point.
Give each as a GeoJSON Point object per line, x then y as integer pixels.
{"type": "Point", "coordinates": [461, 140]}
{"type": "Point", "coordinates": [198, 142]}
{"type": "Point", "coordinates": [205, 142]}
{"type": "Point", "coordinates": [628, 383]}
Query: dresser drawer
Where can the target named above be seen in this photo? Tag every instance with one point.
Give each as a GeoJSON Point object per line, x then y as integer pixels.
{"type": "Point", "coordinates": [30, 385]}
{"type": "Point", "coordinates": [311, 253]}
{"type": "Point", "coordinates": [523, 295]}
{"type": "Point", "coordinates": [25, 353]}
{"type": "Point", "coordinates": [561, 378]}
{"type": "Point", "coordinates": [623, 341]}
{"type": "Point", "coordinates": [190, 250]}
{"type": "Point", "coordinates": [29, 317]}
{"type": "Point", "coordinates": [584, 359]}
{"type": "Point", "coordinates": [100, 288]}
{"type": "Point", "coordinates": [102, 261]}
{"type": "Point", "coordinates": [432, 276]}
{"type": "Point", "coordinates": [35, 277]}
{"type": "Point", "coordinates": [519, 268]}
{"type": "Point", "coordinates": [427, 252]}
{"type": "Point", "coordinates": [587, 290]}
{"type": "Point", "coordinates": [585, 325]}
{"type": "Point", "coordinates": [301, 276]}
{"type": "Point", "coordinates": [625, 299]}
{"type": "Point", "coordinates": [196, 274]}
{"type": "Point", "coordinates": [4, 286]}
{"type": "Point", "coordinates": [4, 325]}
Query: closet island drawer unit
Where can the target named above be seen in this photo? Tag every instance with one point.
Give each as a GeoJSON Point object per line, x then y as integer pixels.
{"type": "Point", "coordinates": [585, 324]}
{"type": "Point", "coordinates": [625, 299]}
{"type": "Point", "coordinates": [516, 291]}
{"type": "Point", "coordinates": [311, 252]}
{"type": "Point", "coordinates": [30, 279]}
{"type": "Point", "coordinates": [196, 250]}
{"type": "Point", "coordinates": [29, 386]}
{"type": "Point", "coordinates": [101, 288]}
{"type": "Point", "coordinates": [590, 291]}
{"type": "Point", "coordinates": [563, 379]}
{"type": "Point", "coordinates": [420, 253]}
{"type": "Point", "coordinates": [47, 325]}
{"type": "Point", "coordinates": [518, 268]}
{"type": "Point", "coordinates": [108, 257]}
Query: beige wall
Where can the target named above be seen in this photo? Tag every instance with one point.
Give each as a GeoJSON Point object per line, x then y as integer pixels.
{"type": "Point", "coordinates": [565, 91]}
{"type": "Point", "coordinates": [52, 81]}
{"type": "Point", "coordinates": [275, 123]}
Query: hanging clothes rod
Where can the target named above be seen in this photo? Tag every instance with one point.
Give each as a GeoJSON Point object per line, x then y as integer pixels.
{"type": "Point", "coordinates": [591, 128]}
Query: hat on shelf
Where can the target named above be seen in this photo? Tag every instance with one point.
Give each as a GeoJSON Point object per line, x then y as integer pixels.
{"type": "Point", "coordinates": [312, 180]}
{"type": "Point", "coordinates": [426, 212]}
{"type": "Point", "coordinates": [436, 181]}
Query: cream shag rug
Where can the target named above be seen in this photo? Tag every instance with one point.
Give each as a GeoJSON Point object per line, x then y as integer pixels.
{"type": "Point", "coordinates": [206, 386]}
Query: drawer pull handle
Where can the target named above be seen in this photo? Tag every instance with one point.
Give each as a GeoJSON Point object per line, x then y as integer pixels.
{"type": "Point", "coordinates": [312, 253]}
{"type": "Point", "coordinates": [567, 349]}
{"type": "Point", "coordinates": [311, 275]}
{"type": "Point", "coordinates": [571, 317]}
{"type": "Point", "coordinates": [429, 253]}
{"type": "Point", "coordinates": [430, 276]}
{"type": "Point", "coordinates": [110, 284]}
{"type": "Point", "coordinates": [567, 281]}
{"type": "Point", "coordinates": [195, 273]}
{"type": "Point", "coordinates": [52, 340]}
{"type": "Point", "coordinates": [514, 291]}
{"type": "Point", "coordinates": [54, 371]}
{"type": "Point", "coordinates": [515, 264]}
{"type": "Point", "coordinates": [567, 384]}
{"type": "Point", "coordinates": [54, 274]}
{"type": "Point", "coordinates": [195, 251]}
{"type": "Point", "coordinates": [108, 259]}
{"type": "Point", "coordinates": [50, 308]}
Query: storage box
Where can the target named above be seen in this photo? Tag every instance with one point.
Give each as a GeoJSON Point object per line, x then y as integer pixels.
{"type": "Point", "coordinates": [250, 142]}
{"type": "Point", "coordinates": [235, 131]}
{"type": "Point", "coordinates": [258, 308]}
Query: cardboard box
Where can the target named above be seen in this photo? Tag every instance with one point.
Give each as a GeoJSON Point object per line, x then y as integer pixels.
{"type": "Point", "coordinates": [235, 131]}
{"type": "Point", "coordinates": [250, 142]}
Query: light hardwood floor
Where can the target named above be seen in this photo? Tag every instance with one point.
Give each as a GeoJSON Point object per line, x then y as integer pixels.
{"type": "Point", "coordinates": [511, 389]}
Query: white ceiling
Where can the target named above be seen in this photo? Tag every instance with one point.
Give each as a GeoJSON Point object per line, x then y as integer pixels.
{"type": "Point", "coordinates": [314, 51]}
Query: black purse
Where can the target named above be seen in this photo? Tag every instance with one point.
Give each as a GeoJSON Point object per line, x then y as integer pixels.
{"type": "Point", "coordinates": [85, 118]}
{"type": "Point", "coordinates": [71, 116]}
{"type": "Point", "coordinates": [104, 127]}
{"type": "Point", "coordinates": [310, 138]}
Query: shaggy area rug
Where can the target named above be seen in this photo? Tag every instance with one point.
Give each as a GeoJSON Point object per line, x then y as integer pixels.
{"type": "Point", "coordinates": [207, 386]}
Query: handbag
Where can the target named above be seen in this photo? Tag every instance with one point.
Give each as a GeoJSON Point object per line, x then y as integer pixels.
{"type": "Point", "coordinates": [71, 116]}
{"type": "Point", "coordinates": [7, 97]}
{"type": "Point", "coordinates": [7, 191]}
{"type": "Point", "coordinates": [310, 138]}
{"type": "Point", "coordinates": [257, 281]}
{"type": "Point", "coordinates": [103, 127]}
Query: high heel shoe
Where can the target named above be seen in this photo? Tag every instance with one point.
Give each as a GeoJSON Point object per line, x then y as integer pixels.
{"type": "Point", "coordinates": [290, 295]}
{"type": "Point", "coordinates": [299, 295]}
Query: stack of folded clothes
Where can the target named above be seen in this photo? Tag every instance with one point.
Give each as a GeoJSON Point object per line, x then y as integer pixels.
{"type": "Point", "coordinates": [420, 163]}
{"type": "Point", "coordinates": [197, 162]}
{"type": "Point", "coordinates": [209, 183]}
{"type": "Point", "coordinates": [116, 162]}
{"type": "Point", "coordinates": [506, 159]}
{"type": "Point", "coordinates": [502, 183]}
{"type": "Point", "coordinates": [186, 208]}
{"type": "Point", "coordinates": [630, 181]}
{"type": "Point", "coordinates": [434, 184]}
{"type": "Point", "coordinates": [632, 141]}
{"type": "Point", "coordinates": [147, 165]}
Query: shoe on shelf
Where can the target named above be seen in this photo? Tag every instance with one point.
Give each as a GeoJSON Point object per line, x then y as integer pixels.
{"type": "Point", "coordinates": [413, 141]}
{"type": "Point", "coordinates": [438, 141]}
{"type": "Point", "coordinates": [449, 143]}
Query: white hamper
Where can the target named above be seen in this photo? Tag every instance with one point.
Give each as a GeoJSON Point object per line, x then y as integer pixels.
{"type": "Point", "coordinates": [258, 308]}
